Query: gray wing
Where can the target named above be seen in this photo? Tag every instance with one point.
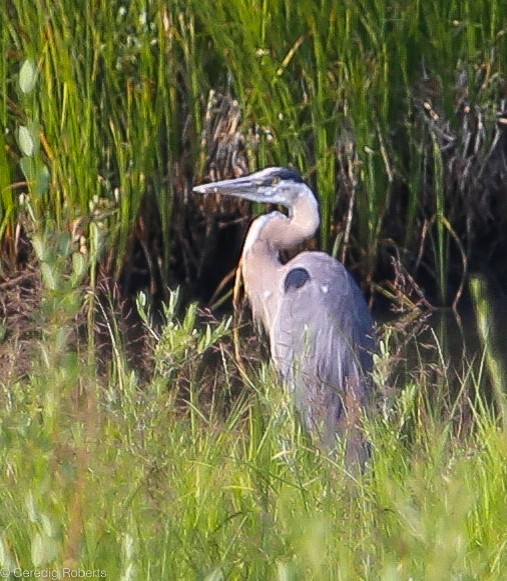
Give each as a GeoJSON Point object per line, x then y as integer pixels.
{"type": "Point", "coordinates": [322, 341]}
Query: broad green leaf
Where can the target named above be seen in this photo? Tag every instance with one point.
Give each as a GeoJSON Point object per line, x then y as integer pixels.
{"type": "Point", "coordinates": [48, 276]}
{"type": "Point", "coordinates": [40, 251]}
{"type": "Point", "coordinates": [44, 549]}
{"type": "Point", "coordinates": [43, 178]}
{"type": "Point", "coordinates": [6, 558]}
{"type": "Point", "coordinates": [31, 508]}
{"type": "Point", "coordinates": [27, 165]}
{"type": "Point", "coordinates": [36, 174]}
{"type": "Point", "coordinates": [79, 264]}
{"type": "Point", "coordinates": [27, 76]}
{"type": "Point", "coordinates": [216, 575]}
{"type": "Point", "coordinates": [26, 141]}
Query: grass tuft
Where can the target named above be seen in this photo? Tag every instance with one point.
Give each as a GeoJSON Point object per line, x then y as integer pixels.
{"type": "Point", "coordinates": [137, 481]}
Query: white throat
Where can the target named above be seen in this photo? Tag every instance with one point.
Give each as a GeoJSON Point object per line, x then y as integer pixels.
{"type": "Point", "coordinates": [254, 232]}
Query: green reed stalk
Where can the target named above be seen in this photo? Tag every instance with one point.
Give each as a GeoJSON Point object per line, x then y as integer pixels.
{"type": "Point", "coordinates": [485, 318]}
{"type": "Point", "coordinates": [121, 98]}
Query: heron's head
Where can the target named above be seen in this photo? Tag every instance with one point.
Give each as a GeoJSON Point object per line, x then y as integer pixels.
{"type": "Point", "coordinates": [272, 185]}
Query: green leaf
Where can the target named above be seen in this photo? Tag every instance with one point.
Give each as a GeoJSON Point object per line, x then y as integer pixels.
{"type": "Point", "coordinates": [40, 251]}
{"type": "Point", "coordinates": [6, 558]}
{"type": "Point", "coordinates": [26, 141]}
{"type": "Point", "coordinates": [78, 266]}
{"type": "Point", "coordinates": [44, 549]}
{"type": "Point", "coordinates": [27, 76]}
{"type": "Point", "coordinates": [49, 278]}
{"type": "Point", "coordinates": [36, 174]}
{"type": "Point", "coordinates": [216, 575]}
{"type": "Point", "coordinates": [27, 165]}
{"type": "Point", "coordinates": [31, 508]}
{"type": "Point", "coordinates": [43, 178]}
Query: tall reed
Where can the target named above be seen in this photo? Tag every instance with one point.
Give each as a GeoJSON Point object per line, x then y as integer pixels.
{"type": "Point", "coordinates": [340, 91]}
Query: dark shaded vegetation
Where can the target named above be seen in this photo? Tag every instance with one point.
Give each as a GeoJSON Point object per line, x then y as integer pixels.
{"type": "Point", "coordinates": [103, 136]}
{"type": "Point", "coordinates": [404, 142]}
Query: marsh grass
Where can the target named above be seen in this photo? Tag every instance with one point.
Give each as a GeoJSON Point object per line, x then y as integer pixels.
{"type": "Point", "coordinates": [143, 478]}
{"type": "Point", "coordinates": [111, 474]}
{"type": "Point", "coordinates": [381, 105]}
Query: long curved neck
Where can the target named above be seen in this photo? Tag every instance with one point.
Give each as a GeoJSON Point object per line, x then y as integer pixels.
{"type": "Point", "coordinates": [274, 232]}
{"type": "Point", "coordinates": [261, 262]}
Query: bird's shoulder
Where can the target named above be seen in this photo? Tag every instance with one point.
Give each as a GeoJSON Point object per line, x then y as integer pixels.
{"type": "Point", "coordinates": [317, 287]}
{"type": "Point", "coordinates": [324, 274]}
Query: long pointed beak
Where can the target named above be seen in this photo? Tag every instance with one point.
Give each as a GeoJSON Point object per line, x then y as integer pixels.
{"type": "Point", "coordinates": [241, 187]}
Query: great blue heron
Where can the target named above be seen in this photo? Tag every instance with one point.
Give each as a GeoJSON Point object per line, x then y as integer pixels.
{"type": "Point", "coordinates": [319, 326]}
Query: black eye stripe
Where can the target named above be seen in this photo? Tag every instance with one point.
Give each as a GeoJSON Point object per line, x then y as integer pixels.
{"type": "Point", "coordinates": [279, 175]}
{"type": "Point", "coordinates": [288, 174]}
